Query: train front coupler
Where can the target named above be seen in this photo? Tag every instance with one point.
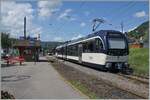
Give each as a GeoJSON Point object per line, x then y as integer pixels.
{"type": "Point", "coordinates": [126, 69]}
{"type": "Point", "coordinates": [119, 67]}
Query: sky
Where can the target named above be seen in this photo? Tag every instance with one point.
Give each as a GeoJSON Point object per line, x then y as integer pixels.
{"type": "Point", "coordinates": [57, 20]}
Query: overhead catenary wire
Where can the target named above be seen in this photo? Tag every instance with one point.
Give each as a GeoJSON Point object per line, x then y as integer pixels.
{"type": "Point", "coordinates": [112, 10]}
{"type": "Point", "coordinates": [126, 18]}
{"type": "Point", "coordinates": [109, 14]}
{"type": "Point", "coordinates": [121, 12]}
{"type": "Point", "coordinates": [63, 24]}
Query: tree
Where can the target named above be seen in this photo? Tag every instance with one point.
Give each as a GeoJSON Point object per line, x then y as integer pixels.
{"type": "Point", "coordinates": [5, 41]}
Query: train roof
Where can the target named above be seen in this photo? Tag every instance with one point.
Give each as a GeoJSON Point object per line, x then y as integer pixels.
{"type": "Point", "coordinates": [100, 33]}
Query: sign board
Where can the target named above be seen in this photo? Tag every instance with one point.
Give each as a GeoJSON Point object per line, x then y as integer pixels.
{"type": "Point", "coordinates": [31, 42]}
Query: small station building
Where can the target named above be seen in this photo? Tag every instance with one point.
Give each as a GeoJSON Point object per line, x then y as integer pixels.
{"type": "Point", "coordinates": [28, 47]}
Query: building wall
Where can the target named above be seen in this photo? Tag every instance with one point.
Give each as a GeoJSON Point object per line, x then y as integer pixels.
{"type": "Point", "coordinates": [136, 45]}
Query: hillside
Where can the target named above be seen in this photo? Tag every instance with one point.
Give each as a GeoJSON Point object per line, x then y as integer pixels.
{"type": "Point", "coordinates": [49, 44]}
{"type": "Point", "coordinates": [141, 30]}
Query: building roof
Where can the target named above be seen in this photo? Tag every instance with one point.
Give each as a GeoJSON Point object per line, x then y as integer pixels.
{"type": "Point", "coordinates": [26, 43]}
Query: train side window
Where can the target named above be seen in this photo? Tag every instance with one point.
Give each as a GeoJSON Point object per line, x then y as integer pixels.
{"type": "Point", "coordinates": [73, 50]}
{"type": "Point", "coordinates": [70, 50]}
{"type": "Point", "coordinates": [90, 46]}
{"type": "Point", "coordinates": [59, 51]}
{"type": "Point", "coordinates": [98, 44]}
{"type": "Point", "coordinates": [84, 47]}
{"type": "Point", "coordinates": [76, 49]}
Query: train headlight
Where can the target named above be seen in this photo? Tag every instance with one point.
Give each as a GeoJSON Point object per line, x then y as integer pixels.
{"type": "Point", "coordinates": [108, 65]}
{"type": "Point", "coordinates": [126, 53]}
{"type": "Point", "coordinates": [126, 64]}
{"type": "Point", "coordinates": [119, 65]}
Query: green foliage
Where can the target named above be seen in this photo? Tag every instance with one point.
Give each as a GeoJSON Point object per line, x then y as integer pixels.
{"type": "Point", "coordinates": [5, 40]}
{"type": "Point", "coordinates": [141, 30]}
{"type": "Point", "coordinates": [84, 89]}
{"type": "Point", "coordinates": [49, 46]}
{"type": "Point", "coordinates": [139, 60]}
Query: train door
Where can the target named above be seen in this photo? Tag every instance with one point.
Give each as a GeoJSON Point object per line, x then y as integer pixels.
{"type": "Point", "coordinates": [80, 49]}
{"type": "Point", "coordinates": [66, 52]}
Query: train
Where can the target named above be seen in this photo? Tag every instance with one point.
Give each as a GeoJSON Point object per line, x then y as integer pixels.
{"type": "Point", "coordinates": [105, 49]}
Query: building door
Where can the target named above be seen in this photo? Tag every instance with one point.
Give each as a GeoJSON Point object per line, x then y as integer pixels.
{"type": "Point", "coordinates": [80, 49]}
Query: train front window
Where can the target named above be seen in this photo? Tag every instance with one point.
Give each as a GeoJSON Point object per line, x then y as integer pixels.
{"type": "Point", "coordinates": [116, 41]}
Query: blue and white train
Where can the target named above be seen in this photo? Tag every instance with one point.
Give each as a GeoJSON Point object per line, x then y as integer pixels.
{"type": "Point", "coordinates": [105, 49]}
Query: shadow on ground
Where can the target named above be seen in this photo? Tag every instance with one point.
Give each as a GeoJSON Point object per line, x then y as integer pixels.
{"type": "Point", "coordinates": [14, 78]}
{"type": "Point", "coordinates": [11, 65]}
{"type": "Point", "coordinates": [43, 60]}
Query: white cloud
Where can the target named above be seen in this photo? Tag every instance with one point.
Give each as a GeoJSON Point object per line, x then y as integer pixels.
{"type": "Point", "coordinates": [82, 24]}
{"type": "Point", "coordinates": [12, 15]}
{"type": "Point", "coordinates": [76, 37]}
{"type": "Point", "coordinates": [66, 15]}
{"type": "Point", "coordinates": [68, 10]}
{"type": "Point", "coordinates": [59, 39]}
{"type": "Point", "coordinates": [73, 19]}
{"type": "Point", "coordinates": [47, 8]}
{"type": "Point", "coordinates": [140, 14]}
{"type": "Point", "coordinates": [131, 29]}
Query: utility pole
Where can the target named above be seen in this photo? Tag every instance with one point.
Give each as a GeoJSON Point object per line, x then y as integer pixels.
{"type": "Point", "coordinates": [122, 26]}
{"type": "Point", "coordinates": [25, 27]}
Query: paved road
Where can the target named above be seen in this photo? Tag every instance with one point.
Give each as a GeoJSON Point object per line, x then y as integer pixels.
{"type": "Point", "coordinates": [40, 81]}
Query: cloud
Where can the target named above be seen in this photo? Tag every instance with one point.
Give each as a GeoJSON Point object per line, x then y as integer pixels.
{"type": "Point", "coordinates": [131, 29]}
{"type": "Point", "coordinates": [82, 24]}
{"type": "Point", "coordinates": [140, 14]}
{"type": "Point", "coordinates": [68, 10]}
{"type": "Point", "coordinates": [59, 39]}
{"type": "Point", "coordinates": [76, 37]}
{"type": "Point", "coordinates": [12, 15]}
{"type": "Point", "coordinates": [66, 15]}
{"type": "Point", "coordinates": [47, 8]}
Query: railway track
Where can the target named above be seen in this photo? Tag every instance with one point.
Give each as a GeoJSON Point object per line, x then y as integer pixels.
{"type": "Point", "coordinates": [129, 83]}
{"type": "Point", "coordinates": [136, 78]}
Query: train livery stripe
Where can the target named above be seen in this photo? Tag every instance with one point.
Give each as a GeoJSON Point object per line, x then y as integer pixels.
{"type": "Point", "coordinates": [96, 58]}
{"type": "Point", "coordinates": [87, 40]}
{"type": "Point", "coordinates": [59, 55]}
{"type": "Point", "coordinates": [73, 57]}
{"type": "Point", "coordinates": [117, 58]}
{"type": "Point", "coordinates": [83, 41]}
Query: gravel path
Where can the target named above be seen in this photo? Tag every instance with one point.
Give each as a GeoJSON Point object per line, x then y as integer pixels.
{"type": "Point", "coordinates": [40, 81]}
{"type": "Point", "coordinates": [114, 79]}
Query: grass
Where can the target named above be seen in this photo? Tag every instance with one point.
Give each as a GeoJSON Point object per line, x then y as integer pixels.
{"type": "Point", "coordinates": [77, 84]}
{"type": "Point", "coordinates": [139, 61]}
{"type": "Point", "coordinates": [84, 89]}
